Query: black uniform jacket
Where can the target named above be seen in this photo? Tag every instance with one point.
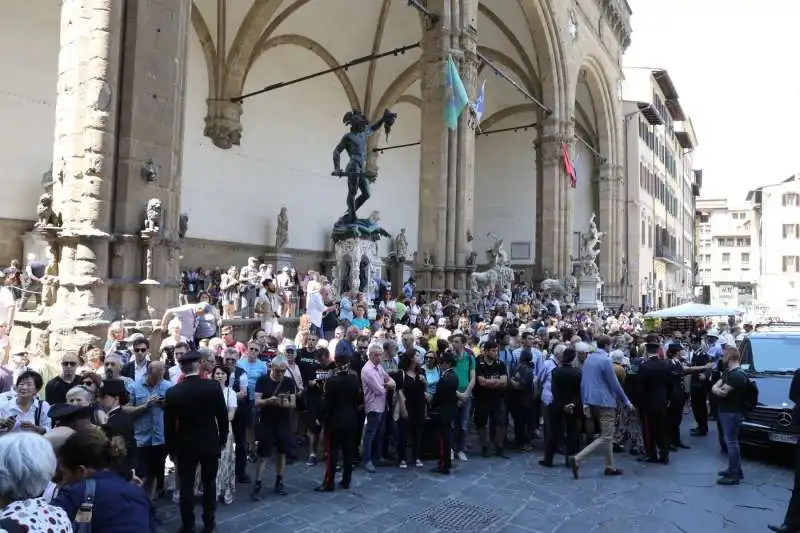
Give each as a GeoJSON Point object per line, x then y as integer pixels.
{"type": "Point", "coordinates": [655, 382]}
{"type": "Point", "coordinates": [195, 418]}
{"type": "Point", "coordinates": [341, 401]}
{"type": "Point", "coordinates": [444, 404]}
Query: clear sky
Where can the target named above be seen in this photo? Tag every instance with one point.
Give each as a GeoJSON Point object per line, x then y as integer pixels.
{"type": "Point", "coordinates": [736, 67]}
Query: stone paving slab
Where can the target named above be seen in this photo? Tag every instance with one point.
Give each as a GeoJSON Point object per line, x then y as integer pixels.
{"type": "Point", "coordinates": [519, 496]}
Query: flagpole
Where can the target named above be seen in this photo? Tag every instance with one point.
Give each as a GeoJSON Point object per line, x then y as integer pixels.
{"type": "Point", "coordinates": [591, 148]}
{"type": "Point", "coordinates": [516, 85]}
{"type": "Point", "coordinates": [358, 61]}
{"type": "Point", "coordinates": [523, 127]}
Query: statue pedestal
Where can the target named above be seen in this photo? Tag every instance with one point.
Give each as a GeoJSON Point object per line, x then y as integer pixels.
{"type": "Point", "coordinates": [278, 259]}
{"type": "Point", "coordinates": [358, 266]}
{"type": "Point", "coordinates": [34, 243]}
{"type": "Point", "coordinates": [589, 294]}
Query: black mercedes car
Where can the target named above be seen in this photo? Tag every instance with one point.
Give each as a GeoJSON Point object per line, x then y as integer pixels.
{"type": "Point", "coordinates": [771, 358]}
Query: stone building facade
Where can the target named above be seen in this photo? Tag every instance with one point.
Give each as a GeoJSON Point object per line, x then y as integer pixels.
{"type": "Point", "coordinates": [142, 104]}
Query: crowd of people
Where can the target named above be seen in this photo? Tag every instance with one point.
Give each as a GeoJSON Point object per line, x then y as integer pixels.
{"type": "Point", "coordinates": [396, 383]}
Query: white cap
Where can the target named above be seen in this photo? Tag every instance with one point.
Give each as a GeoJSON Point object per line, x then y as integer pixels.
{"type": "Point", "coordinates": [713, 332]}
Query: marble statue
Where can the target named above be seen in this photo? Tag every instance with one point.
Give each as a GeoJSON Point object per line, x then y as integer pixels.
{"type": "Point", "coordinates": [183, 225]}
{"type": "Point", "coordinates": [401, 245]}
{"type": "Point", "coordinates": [570, 286]}
{"type": "Point", "coordinates": [496, 255]}
{"type": "Point", "coordinates": [591, 249]}
{"type": "Point", "coordinates": [152, 216]}
{"type": "Point", "coordinates": [282, 229]}
{"type": "Point", "coordinates": [46, 216]}
{"type": "Point", "coordinates": [50, 282]}
{"type": "Point", "coordinates": [355, 144]}
{"type": "Point", "coordinates": [472, 259]}
{"type": "Point", "coordinates": [427, 259]}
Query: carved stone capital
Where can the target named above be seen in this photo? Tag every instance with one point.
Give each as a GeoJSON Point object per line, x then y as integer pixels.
{"type": "Point", "coordinates": [223, 123]}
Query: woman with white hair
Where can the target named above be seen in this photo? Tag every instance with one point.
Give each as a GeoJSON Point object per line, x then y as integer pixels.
{"type": "Point", "coordinates": [27, 464]}
{"type": "Point", "coordinates": [174, 329]}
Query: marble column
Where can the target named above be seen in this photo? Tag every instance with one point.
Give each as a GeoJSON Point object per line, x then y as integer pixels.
{"type": "Point", "coordinates": [447, 158]}
{"type": "Point", "coordinates": [84, 154]}
{"type": "Point", "coordinates": [150, 156]}
{"type": "Point", "coordinates": [553, 224]}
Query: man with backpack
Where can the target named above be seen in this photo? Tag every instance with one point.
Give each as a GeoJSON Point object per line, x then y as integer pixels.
{"type": "Point", "coordinates": [736, 394]}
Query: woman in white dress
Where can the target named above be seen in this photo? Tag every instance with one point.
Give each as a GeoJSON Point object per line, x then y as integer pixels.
{"type": "Point", "coordinates": [226, 472]}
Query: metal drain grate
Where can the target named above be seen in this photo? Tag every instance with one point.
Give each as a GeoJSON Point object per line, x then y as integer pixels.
{"type": "Point", "coordinates": [455, 515]}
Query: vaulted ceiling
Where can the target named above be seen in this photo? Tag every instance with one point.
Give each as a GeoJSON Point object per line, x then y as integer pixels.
{"type": "Point", "coordinates": [236, 34]}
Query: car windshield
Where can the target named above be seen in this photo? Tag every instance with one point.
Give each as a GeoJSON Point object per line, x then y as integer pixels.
{"type": "Point", "coordinates": [776, 354]}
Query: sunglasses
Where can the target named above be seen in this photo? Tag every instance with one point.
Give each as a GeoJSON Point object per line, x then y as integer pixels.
{"type": "Point", "coordinates": [69, 363]}
{"type": "Point", "coordinates": [253, 349]}
{"type": "Point", "coordinates": [140, 350]}
{"type": "Point", "coordinates": [231, 360]}
{"type": "Point", "coordinates": [88, 383]}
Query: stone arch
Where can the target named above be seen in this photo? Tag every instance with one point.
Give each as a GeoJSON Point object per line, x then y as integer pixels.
{"type": "Point", "coordinates": [241, 52]}
{"type": "Point", "coordinates": [320, 51]}
{"type": "Point", "coordinates": [503, 59]}
{"type": "Point", "coordinates": [495, 20]}
{"type": "Point", "coordinates": [592, 73]}
{"type": "Point", "coordinates": [507, 112]}
{"type": "Point", "coordinates": [410, 99]}
{"type": "Point", "coordinates": [542, 24]}
{"type": "Point", "coordinates": [396, 89]}
{"type": "Point", "coordinates": [209, 49]}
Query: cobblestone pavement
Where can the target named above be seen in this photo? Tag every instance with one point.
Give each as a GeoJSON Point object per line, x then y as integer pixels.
{"type": "Point", "coordinates": [519, 496]}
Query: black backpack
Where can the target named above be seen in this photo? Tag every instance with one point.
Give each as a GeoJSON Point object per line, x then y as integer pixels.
{"type": "Point", "coordinates": [750, 395]}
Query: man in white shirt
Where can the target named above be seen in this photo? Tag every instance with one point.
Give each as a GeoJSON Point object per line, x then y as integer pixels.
{"type": "Point", "coordinates": [316, 308]}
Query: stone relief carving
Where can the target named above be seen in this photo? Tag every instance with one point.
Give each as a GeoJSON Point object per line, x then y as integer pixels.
{"type": "Point", "coordinates": [223, 123]}
{"type": "Point", "coordinates": [46, 216]}
{"type": "Point", "coordinates": [282, 229]}
{"type": "Point", "coordinates": [472, 259]}
{"type": "Point", "coordinates": [150, 172]}
{"type": "Point", "coordinates": [427, 259]}
{"type": "Point", "coordinates": [152, 217]}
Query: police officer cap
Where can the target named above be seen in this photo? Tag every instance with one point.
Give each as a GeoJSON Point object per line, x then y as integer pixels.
{"type": "Point", "coordinates": [652, 338]}
{"type": "Point", "coordinates": [63, 412]}
{"type": "Point", "coordinates": [674, 347]}
{"type": "Point", "coordinates": [191, 357]}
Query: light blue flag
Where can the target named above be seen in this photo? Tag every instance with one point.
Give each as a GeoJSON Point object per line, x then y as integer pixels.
{"type": "Point", "coordinates": [457, 98]}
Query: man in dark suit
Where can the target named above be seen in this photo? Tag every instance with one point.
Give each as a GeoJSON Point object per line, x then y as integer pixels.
{"type": "Point", "coordinates": [443, 410]}
{"type": "Point", "coordinates": [564, 412]}
{"type": "Point", "coordinates": [655, 380]}
{"type": "Point", "coordinates": [196, 429]}
{"type": "Point", "coordinates": [113, 395]}
{"type": "Point", "coordinates": [340, 411]}
{"type": "Point", "coordinates": [137, 367]}
{"type": "Point", "coordinates": [677, 398]}
{"type": "Point", "coordinates": [791, 522]}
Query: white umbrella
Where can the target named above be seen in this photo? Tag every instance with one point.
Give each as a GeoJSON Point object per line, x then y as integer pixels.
{"type": "Point", "coordinates": [692, 309]}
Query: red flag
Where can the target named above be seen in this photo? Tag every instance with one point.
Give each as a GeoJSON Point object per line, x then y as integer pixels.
{"type": "Point", "coordinates": [568, 167]}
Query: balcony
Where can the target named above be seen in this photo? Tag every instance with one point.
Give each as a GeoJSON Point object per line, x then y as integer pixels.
{"type": "Point", "coordinates": [667, 255]}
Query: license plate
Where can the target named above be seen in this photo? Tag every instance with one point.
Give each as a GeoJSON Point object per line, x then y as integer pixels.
{"type": "Point", "coordinates": [783, 438]}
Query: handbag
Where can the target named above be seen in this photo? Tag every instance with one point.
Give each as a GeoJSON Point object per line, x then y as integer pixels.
{"type": "Point", "coordinates": [83, 518]}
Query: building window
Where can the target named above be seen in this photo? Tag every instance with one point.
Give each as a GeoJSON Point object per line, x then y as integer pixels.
{"type": "Point", "coordinates": [743, 241]}
{"type": "Point", "coordinates": [791, 231]}
{"type": "Point", "coordinates": [745, 258]}
{"type": "Point", "coordinates": [726, 259]}
{"type": "Point", "coordinates": [790, 199]}
{"type": "Point", "coordinates": [790, 263]}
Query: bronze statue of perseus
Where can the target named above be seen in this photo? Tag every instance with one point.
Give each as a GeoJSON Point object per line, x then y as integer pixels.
{"type": "Point", "coordinates": [355, 144]}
